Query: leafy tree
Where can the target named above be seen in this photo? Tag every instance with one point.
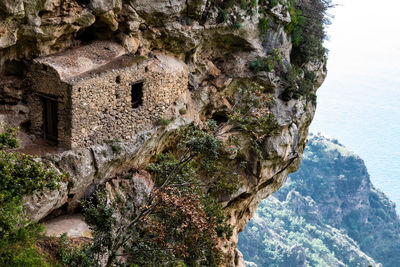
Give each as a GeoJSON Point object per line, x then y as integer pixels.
{"type": "Point", "coordinates": [180, 220]}
{"type": "Point", "coordinates": [307, 28]}
{"type": "Point", "coordinates": [20, 175]}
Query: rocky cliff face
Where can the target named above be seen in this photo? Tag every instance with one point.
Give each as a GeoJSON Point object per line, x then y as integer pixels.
{"type": "Point", "coordinates": [327, 213]}
{"type": "Point", "coordinates": [225, 46]}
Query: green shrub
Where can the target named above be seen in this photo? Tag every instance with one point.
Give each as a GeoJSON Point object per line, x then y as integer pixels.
{"type": "Point", "coordinates": [229, 3]}
{"type": "Point", "coordinates": [237, 25]}
{"type": "Point", "coordinates": [17, 239]}
{"type": "Point", "coordinates": [116, 148]}
{"type": "Point", "coordinates": [182, 111]}
{"type": "Point", "coordinates": [20, 175]}
{"type": "Point", "coordinates": [75, 257]}
{"type": "Point", "coordinates": [273, 61]}
{"type": "Point", "coordinates": [114, 144]}
{"type": "Point", "coordinates": [274, 3]}
{"type": "Point", "coordinates": [243, 4]}
{"type": "Point", "coordinates": [8, 137]}
{"type": "Point", "coordinates": [164, 121]}
{"type": "Point", "coordinates": [257, 65]}
{"type": "Point", "coordinates": [252, 114]}
{"type": "Point", "coordinates": [308, 19]}
{"type": "Point", "coordinates": [192, 197]}
{"type": "Point", "coordinates": [299, 82]}
{"type": "Point", "coordinates": [222, 15]}
{"type": "Point", "coordinates": [263, 25]}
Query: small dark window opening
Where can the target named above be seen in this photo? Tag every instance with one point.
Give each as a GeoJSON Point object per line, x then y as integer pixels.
{"type": "Point", "coordinates": [14, 68]}
{"type": "Point", "coordinates": [83, 2]}
{"type": "Point", "coordinates": [137, 94]}
{"type": "Point", "coordinates": [118, 79]}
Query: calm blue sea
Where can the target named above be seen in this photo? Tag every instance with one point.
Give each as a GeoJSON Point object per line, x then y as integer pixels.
{"type": "Point", "coordinates": [359, 103]}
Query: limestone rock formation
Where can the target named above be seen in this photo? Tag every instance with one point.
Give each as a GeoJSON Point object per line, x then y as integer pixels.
{"type": "Point", "coordinates": [220, 46]}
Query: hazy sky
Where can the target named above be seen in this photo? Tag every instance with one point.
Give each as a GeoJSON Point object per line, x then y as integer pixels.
{"type": "Point", "coordinates": [366, 34]}
{"type": "Point", "coordinates": [359, 103]}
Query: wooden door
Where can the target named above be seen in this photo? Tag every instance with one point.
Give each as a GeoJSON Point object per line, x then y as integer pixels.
{"type": "Point", "coordinates": [50, 120]}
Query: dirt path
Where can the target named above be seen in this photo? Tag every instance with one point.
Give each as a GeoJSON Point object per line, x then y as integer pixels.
{"type": "Point", "coordinates": [74, 225]}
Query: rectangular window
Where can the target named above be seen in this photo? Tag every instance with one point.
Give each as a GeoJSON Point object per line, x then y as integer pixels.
{"type": "Point", "coordinates": [137, 94]}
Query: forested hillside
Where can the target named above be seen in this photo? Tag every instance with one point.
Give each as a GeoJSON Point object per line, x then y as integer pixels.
{"type": "Point", "coordinates": [327, 214]}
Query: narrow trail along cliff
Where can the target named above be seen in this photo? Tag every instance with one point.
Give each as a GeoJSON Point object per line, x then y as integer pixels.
{"type": "Point", "coordinates": [108, 85]}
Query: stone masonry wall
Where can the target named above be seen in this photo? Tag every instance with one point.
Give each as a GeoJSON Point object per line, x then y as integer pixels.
{"type": "Point", "coordinates": [45, 82]}
{"type": "Point", "coordinates": [101, 104]}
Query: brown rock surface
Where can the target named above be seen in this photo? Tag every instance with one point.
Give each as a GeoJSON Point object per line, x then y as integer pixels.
{"type": "Point", "coordinates": [217, 59]}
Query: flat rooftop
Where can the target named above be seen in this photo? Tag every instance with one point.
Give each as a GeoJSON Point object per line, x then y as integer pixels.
{"type": "Point", "coordinates": [74, 63]}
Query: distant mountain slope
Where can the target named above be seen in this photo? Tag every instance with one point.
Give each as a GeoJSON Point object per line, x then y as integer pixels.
{"type": "Point", "coordinates": [327, 214]}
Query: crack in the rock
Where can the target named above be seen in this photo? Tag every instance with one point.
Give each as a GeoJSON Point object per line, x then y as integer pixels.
{"type": "Point", "coordinates": [272, 179]}
{"type": "Point", "coordinates": [95, 164]}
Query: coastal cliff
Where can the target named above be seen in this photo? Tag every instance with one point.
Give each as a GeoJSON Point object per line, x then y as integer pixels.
{"type": "Point", "coordinates": [252, 68]}
{"type": "Point", "coordinates": [327, 213]}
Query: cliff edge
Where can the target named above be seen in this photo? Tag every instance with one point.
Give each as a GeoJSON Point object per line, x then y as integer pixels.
{"type": "Point", "coordinates": [327, 213]}
{"type": "Point", "coordinates": [250, 67]}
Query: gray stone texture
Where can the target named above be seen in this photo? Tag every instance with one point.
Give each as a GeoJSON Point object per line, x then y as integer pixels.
{"type": "Point", "coordinates": [167, 33]}
{"type": "Point", "coordinates": [92, 86]}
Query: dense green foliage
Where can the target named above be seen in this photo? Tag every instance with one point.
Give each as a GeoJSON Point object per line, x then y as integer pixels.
{"type": "Point", "coordinates": [8, 137]}
{"type": "Point", "coordinates": [278, 236]}
{"type": "Point", "coordinates": [18, 236]}
{"type": "Point", "coordinates": [164, 121]}
{"type": "Point", "coordinates": [272, 62]}
{"type": "Point", "coordinates": [299, 82]}
{"type": "Point", "coordinates": [20, 175]}
{"type": "Point", "coordinates": [180, 221]}
{"type": "Point", "coordinates": [263, 26]}
{"type": "Point", "coordinates": [327, 212]}
{"type": "Point", "coordinates": [307, 28]}
{"type": "Point", "coordinates": [252, 115]}
{"type": "Point", "coordinates": [227, 7]}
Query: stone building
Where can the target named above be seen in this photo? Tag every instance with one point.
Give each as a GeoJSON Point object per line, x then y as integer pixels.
{"type": "Point", "coordinates": [97, 92]}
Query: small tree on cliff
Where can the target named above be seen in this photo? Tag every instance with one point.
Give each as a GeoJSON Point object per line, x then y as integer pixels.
{"type": "Point", "coordinates": [307, 27]}
{"type": "Point", "coordinates": [180, 222]}
{"type": "Point", "coordinates": [20, 175]}
{"type": "Point", "coordinates": [181, 219]}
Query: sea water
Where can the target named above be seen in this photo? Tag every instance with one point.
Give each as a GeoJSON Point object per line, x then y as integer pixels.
{"type": "Point", "coordinates": [359, 103]}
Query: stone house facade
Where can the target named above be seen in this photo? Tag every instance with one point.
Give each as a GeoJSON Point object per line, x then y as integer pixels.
{"type": "Point", "coordinates": [97, 92]}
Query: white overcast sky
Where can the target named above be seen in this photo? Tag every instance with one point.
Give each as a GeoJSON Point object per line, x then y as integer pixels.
{"type": "Point", "coordinates": [366, 33]}
{"type": "Point", "coordinates": [359, 103]}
